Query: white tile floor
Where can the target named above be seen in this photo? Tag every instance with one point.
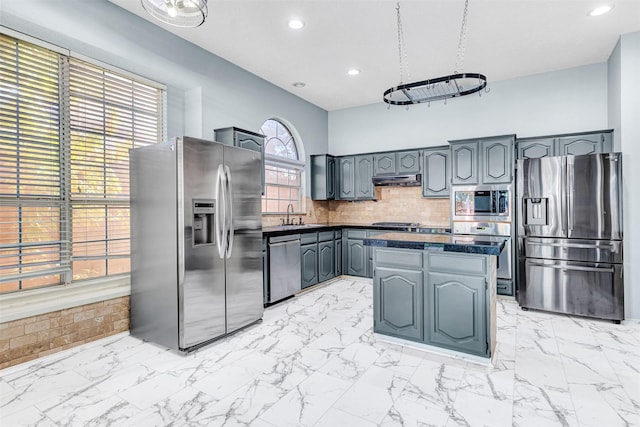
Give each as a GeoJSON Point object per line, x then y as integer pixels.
{"type": "Point", "coordinates": [315, 362]}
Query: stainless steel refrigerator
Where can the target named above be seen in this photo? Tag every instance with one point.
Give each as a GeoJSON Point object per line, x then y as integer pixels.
{"type": "Point", "coordinates": [570, 235]}
{"type": "Point", "coordinates": [196, 241]}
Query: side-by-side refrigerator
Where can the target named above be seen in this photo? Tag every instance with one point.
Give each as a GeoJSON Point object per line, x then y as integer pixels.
{"type": "Point", "coordinates": [196, 241]}
{"type": "Point", "coordinates": [570, 235]}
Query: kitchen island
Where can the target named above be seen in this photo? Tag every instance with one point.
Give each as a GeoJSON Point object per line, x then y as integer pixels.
{"type": "Point", "coordinates": [436, 290]}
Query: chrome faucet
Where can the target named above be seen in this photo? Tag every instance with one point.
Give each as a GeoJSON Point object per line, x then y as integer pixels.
{"type": "Point", "coordinates": [289, 208]}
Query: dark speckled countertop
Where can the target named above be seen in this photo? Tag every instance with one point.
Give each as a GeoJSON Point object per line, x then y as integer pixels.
{"type": "Point", "coordinates": [280, 230]}
{"type": "Point", "coordinates": [436, 242]}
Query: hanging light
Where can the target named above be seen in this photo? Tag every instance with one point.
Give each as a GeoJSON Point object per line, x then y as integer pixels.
{"type": "Point", "coordinates": [439, 88]}
{"type": "Point", "coordinates": [179, 13]}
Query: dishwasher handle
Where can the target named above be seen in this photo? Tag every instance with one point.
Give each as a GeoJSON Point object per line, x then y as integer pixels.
{"type": "Point", "coordinates": [286, 242]}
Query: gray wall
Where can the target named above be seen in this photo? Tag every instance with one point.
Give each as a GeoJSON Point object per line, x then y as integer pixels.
{"type": "Point", "coordinates": [559, 102]}
{"type": "Point", "coordinates": [204, 92]}
{"type": "Point", "coordinates": [624, 111]}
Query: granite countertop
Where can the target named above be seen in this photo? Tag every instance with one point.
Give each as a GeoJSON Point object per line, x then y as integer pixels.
{"type": "Point", "coordinates": [436, 242]}
{"type": "Point", "coordinates": [281, 230]}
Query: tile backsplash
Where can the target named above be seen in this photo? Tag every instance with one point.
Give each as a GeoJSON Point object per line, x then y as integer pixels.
{"type": "Point", "coordinates": [397, 204]}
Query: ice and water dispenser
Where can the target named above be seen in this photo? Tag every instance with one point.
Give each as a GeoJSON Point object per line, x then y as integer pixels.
{"type": "Point", "coordinates": [537, 212]}
{"type": "Point", "coordinates": [203, 222]}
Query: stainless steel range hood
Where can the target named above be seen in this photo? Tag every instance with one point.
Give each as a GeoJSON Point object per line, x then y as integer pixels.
{"type": "Point", "coordinates": [412, 180]}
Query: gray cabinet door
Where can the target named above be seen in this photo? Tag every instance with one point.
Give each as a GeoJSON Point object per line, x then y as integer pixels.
{"type": "Point", "coordinates": [346, 178]}
{"type": "Point", "coordinates": [338, 253]}
{"type": "Point", "coordinates": [464, 158]}
{"type": "Point", "coordinates": [326, 261]}
{"type": "Point", "coordinates": [496, 160]}
{"type": "Point", "coordinates": [384, 164]}
{"type": "Point", "coordinates": [436, 173]}
{"type": "Point", "coordinates": [331, 178]}
{"type": "Point", "coordinates": [364, 173]}
{"type": "Point", "coordinates": [536, 148]}
{"type": "Point", "coordinates": [585, 144]}
{"type": "Point", "coordinates": [455, 313]}
{"type": "Point", "coordinates": [356, 258]}
{"type": "Point", "coordinates": [398, 303]}
{"type": "Point", "coordinates": [244, 139]}
{"type": "Point", "coordinates": [323, 177]}
{"type": "Point", "coordinates": [309, 264]}
{"type": "Point", "coordinates": [408, 162]}
{"type": "Point", "coordinates": [265, 272]}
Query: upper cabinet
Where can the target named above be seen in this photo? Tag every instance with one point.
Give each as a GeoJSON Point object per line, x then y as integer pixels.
{"type": "Point", "coordinates": [482, 161]}
{"type": "Point", "coordinates": [244, 139]}
{"type": "Point", "coordinates": [396, 163]}
{"type": "Point", "coordinates": [364, 173]}
{"type": "Point", "coordinates": [323, 177]}
{"type": "Point", "coordinates": [464, 159]}
{"type": "Point", "coordinates": [535, 148]}
{"type": "Point", "coordinates": [346, 178]}
{"type": "Point", "coordinates": [436, 172]}
{"type": "Point", "coordinates": [496, 159]}
{"type": "Point", "coordinates": [585, 144]}
{"type": "Point", "coordinates": [565, 145]}
{"type": "Point", "coordinates": [354, 178]}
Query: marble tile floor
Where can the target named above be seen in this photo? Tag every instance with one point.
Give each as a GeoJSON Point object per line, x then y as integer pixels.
{"type": "Point", "coordinates": [314, 361]}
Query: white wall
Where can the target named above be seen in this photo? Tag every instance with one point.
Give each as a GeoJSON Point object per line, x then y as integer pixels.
{"type": "Point", "coordinates": [219, 93]}
{"type": "Point", "coordinates": [560, 102]}
{"type": "Point", "coordinates": [624, 117]}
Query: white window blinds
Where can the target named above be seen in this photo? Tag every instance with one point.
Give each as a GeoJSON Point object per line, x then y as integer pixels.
{"type": "Point", "coordinates": [65, 130]}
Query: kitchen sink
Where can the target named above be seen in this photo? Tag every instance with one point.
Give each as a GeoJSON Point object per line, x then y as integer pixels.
{"type": "Point", "coordinates": [297, 226]}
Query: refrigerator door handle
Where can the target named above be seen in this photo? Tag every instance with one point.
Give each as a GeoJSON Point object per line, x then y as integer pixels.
{"type": "Point", "coordinates": [574, 267]}
{"type": "Point", "coordinates": [220, 212]}
{"type": "Point", "coordinates": [570, 196]}
{"type": "Point", "coordinates": [230, 228]}
{"type": "Point", "coordinates": [574, 245]}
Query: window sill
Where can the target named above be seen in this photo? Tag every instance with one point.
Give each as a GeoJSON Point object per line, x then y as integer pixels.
{"type": "Point", "coordinates": [20, 305]}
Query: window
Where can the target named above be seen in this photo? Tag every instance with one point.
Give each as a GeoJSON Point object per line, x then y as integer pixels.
{"type": "Point", "coordinates": [283, 169]}
{"type": "Point", "coordinates": [66, 126]}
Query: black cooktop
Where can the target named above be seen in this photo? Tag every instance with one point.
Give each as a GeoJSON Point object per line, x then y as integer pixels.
{"type": "Point", "coordinates": [396, 224]}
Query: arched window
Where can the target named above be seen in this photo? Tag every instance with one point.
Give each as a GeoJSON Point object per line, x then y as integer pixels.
{"type": "Point", "coordinates": [283, 169]}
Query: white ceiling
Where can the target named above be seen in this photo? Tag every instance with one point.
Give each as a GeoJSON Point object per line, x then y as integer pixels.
{"type": "Point", "coordinates": [505, 39]}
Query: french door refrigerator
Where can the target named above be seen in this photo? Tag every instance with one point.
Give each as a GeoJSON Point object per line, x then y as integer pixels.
{"type": "Point", "coordinates": [196, 241]}
{"type": "Point", "coordinates": [570, 235]}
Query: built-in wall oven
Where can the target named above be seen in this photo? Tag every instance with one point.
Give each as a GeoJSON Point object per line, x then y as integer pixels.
{"type": "Point", "coordinates": [483, 213]}
{"type": "Point", "coordinates": [490, 232]}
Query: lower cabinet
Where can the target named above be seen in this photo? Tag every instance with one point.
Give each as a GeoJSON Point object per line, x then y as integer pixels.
{"type": "Point", "coordinates": [398, 303]}
{"type": "Point", "coordinates": [436, 298]}
{"type": "Point", "coordinates": [455, 312]}
{"type": "Point", "coordinates": [265, 272]}
{"type": "Point", "coordinates": [320, 256]}
{"type": "Point", "coordinates": [338, 252]}
{"type": "Point", "coordinates": [356, 257]}
{"type": "Point", "coordinates": [309, 264]}
{"type": "Point", "coordinates": [326, 261]}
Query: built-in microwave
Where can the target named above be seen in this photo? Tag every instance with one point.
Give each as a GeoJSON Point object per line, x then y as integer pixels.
{"type": "Point", "coordinates": [481, 203]}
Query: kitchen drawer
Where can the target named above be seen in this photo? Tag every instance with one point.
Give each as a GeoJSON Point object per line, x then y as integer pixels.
{"type": "Point", "coordinates": [338, 234]}
{"type": "Point", "coordinates": [455, 263]}
{"type": "Point", "coordinates": [356, 234]}
{"type": "Point", "coordinates": [397, 258]}
{"type": "Point", "coordinates": [325, 236]}
{"type": "Point", "coordinates": [308, 238]}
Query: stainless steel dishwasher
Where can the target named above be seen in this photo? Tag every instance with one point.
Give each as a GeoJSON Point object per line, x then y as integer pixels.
{"type": "Point", "coordinates": [284, 267]}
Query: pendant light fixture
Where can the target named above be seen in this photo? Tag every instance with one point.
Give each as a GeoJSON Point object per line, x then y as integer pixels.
{"type": "Point", "coordinates": [439, 88]}
{"type": "Point", "coordinates": [179, 13]}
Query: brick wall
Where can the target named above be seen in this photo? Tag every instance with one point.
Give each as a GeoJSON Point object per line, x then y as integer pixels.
{"type": "Point", "coordinates": [27, 339]}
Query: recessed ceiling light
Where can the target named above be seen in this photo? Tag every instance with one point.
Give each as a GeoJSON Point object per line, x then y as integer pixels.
{"type": "Point", "coordinates": [299, 84]}
{"type": "Point", "coordinates": [601, 10]}
{"type": "Point", "coordinates": [296, 24]}
{"type": "Point", "coordinates": [353, 72]}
